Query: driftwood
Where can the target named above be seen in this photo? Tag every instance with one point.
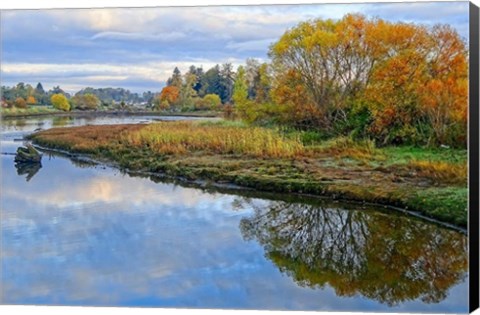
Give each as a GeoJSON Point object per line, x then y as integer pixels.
{"type": "Point", "coordinates": [27, 155]}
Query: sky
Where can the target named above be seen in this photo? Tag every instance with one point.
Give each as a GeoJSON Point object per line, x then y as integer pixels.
{"type": "Point", "coordinates": [137, 48]}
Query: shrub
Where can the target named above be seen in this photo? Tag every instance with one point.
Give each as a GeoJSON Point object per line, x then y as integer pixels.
{"type": "Point", "coordinates": [20, 103]}
{"type": "Point", "coordinates": [59, 101]}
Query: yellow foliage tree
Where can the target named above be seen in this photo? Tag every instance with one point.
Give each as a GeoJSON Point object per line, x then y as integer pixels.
{"type": "Point", "coordinates": [59, 101]}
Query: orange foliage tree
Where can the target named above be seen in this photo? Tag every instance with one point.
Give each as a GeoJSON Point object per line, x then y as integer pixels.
{"type": "Point", "coordinates": [444, 96]}
{"type": "Point", "coordinates": [31, 100]}
{"type": "Point", "coordinates": [169, 94]}
{"type": "Point", "coordinates": [412, 78]}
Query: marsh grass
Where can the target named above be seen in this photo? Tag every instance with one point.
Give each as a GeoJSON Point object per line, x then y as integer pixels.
{"type": "Point", "coordinates": [345, 147]}
{"type": "Point", "coordinates": [268, 159]}
{"type": "Point", "coordinates": [441, 172]}
{"type": "Point", "coordinates": [184, 137]}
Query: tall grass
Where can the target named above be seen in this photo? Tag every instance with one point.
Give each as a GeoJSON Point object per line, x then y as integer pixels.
{"type": "Point", "coordinates": [441, 172]}
{"type": "Point", "coordinates": [345, 147]}
{"type": "Point", "coordinates": [184, 137]}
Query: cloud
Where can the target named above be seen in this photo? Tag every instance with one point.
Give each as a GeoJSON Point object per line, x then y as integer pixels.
{"type": "Point", "coordinates": [139, 36]}
{"type": "Point", "coordinates": [135, 46]}
{"type": "Point", "coordinates": [138, 77]}
{"type": "Point", "coordinates": [252, 45]}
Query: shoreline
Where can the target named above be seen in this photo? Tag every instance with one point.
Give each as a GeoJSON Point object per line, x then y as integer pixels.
{"type": "Point", "coordinates": [110, 113]}
{"type": "Point", "coordinates": [321, 175]}
{"type": "Point", "coordinates": [232, 188]}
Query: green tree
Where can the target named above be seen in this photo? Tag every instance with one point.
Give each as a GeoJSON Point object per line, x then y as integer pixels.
{"type": "Point", "coordinates": [213, 100]}
{"type": "Point", "coordinates": [85, 102]}
{"type": "Point", "coordinates": [187, 91]}
{"type": "Point", "coordinates": [240, 87]}
{"type": "Point", "coordinates": [227, 79]}
{"type": "Point", "coordinates": [39, 94]}
{"type": "Point", "coordinates": [244, 107]}
{"type": "Point", "coordinates": [175, 79]}
{"type": "Point", "coordinates": [59, 101]}
{"type": "Point", "coordinates": [211, 81]}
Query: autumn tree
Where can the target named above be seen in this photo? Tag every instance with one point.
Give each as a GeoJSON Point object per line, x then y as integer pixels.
{"type": "Point", "coordinates": [59, 101]}
{"type": "Point", "coordinates": [20, 102]}
{"type": "Point", "coordinates": [31, 100]}
{"type": "Point", "coordinates": [392, 90]}
{"type": "Point", "coordinates": [294, 105]}
{"type": "Point", "coordinates": [409, 81]}
{"type": "Point", "coordinates": [334, 60]}
{"type": "Point", "coordinates": [169, 96]}
{"type": "Point", "coordinates": [444, 97]}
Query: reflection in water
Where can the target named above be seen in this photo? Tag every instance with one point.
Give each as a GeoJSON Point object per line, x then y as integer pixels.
{"type": "Point", "coordinates": [83, 234]}
{"type": "Point", "coordinates": [29, 169]}
{"type": "Point", "coordinates": [388, 258]}
{"type": "Point", "coordinates": [61, 121]}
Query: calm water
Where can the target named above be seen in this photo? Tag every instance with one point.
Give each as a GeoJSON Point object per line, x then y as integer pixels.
{"type": "Point", "coordinates": [76, 234]}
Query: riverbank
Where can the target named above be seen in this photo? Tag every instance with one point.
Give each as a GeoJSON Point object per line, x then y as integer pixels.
{"type": "Point", "coordinates": [431, 182]}
{"type": "Point", "coordinates": [19, 113]}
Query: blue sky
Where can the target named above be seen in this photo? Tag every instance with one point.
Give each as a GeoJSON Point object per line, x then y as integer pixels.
{"type": "Point", "coordinates": [137, 49]}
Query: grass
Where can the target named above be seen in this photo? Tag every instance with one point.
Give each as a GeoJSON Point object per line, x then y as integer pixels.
{"type": "Point", "coordinates": [433, 182]}
{"type": "Point", "coordinates": [188, 137]}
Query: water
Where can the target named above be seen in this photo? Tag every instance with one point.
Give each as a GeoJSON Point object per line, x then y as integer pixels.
{"type": "Point", "coordinates": [77, 234]}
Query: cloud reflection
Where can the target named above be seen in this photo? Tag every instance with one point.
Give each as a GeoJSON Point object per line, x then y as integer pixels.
{"type": "Point", "coordinates": [92, 236]}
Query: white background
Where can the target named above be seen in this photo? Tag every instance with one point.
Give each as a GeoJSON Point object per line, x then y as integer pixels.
{"type": "Point", "coordinates": [29, 4]}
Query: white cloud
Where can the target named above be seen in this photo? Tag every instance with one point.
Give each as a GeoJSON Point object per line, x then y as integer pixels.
{"type": "Point", "coordinates": [139, 36]}
{"type": "Point", "coordinates": [143, 45]}
{"type": "Point", "coordinates": [77, 76]}
{"type": "Point", "coordinates": [252, 45]}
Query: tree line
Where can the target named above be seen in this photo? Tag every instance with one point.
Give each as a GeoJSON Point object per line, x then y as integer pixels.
{"type": "Point", "coordinates": [394, 83]}
{"type": "Point", "coordinates": [23, 94]}
{"type": "Point", "coordinates": [199, 90]}
{"type": "Point", "coordinates": [88, 98]}
{"type": "Point", "coordinates": [391, 82]}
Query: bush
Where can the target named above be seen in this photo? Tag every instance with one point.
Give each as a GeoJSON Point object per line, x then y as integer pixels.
{"type": "Point", "coordinates": [85, 102]}
{"type": "Point", "coordinates": [59, 101]}
{"type": "Point", "coordinates": [20, 103]}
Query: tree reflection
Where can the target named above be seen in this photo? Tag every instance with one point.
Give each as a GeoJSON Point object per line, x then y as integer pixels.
{"type": "Point", "coordinates": [61, 121]}
{"type": "Point", "coordinates": [389, 258]}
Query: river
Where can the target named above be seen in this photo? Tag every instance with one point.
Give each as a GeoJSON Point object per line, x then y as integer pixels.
{"type": "Point", "coordinates": [75, 233]}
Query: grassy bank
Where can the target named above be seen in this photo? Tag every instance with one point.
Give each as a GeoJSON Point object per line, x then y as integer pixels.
{"type": "Point", "coordinates": [433, 182]}
{"type": "Point", "coordinates": [29, 111]}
